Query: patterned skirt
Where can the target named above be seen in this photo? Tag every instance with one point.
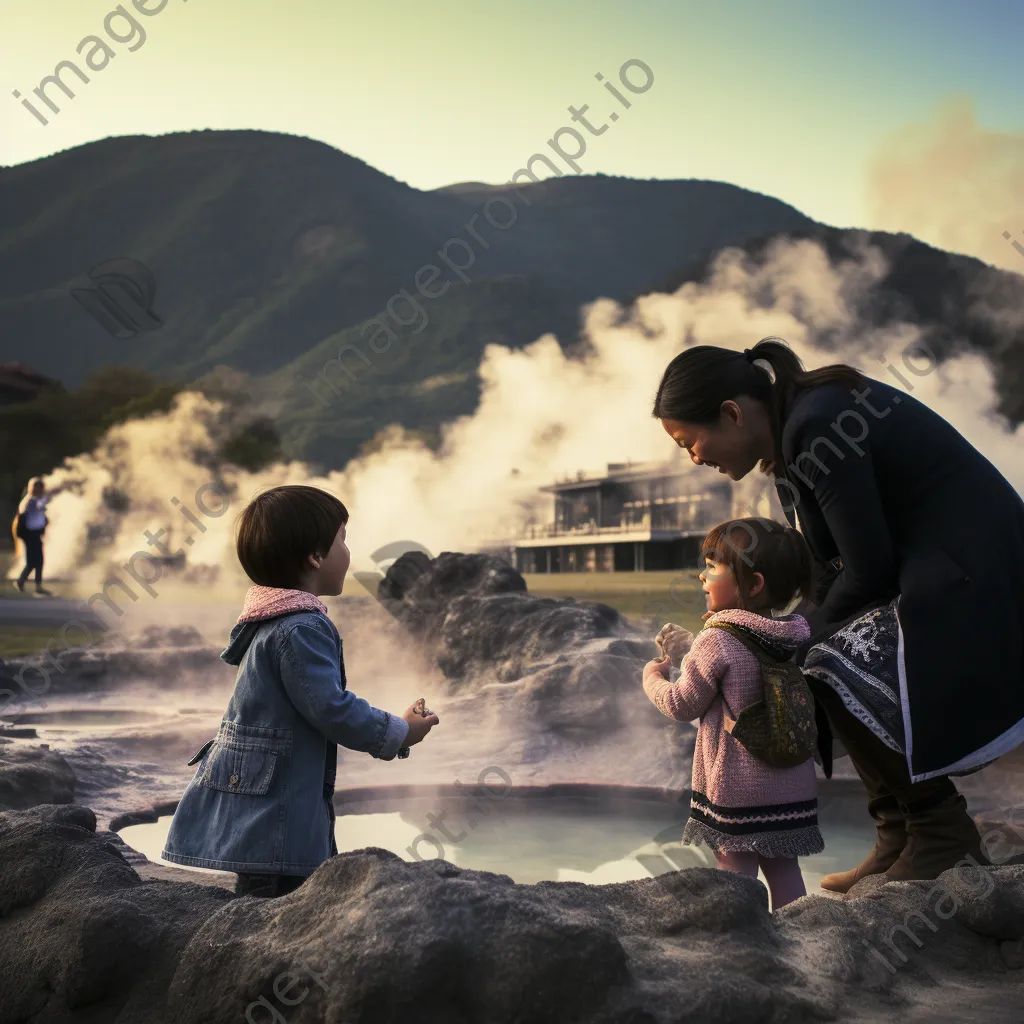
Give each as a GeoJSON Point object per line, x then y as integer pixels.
{"type": "Point", "coordinates": [773, 830]}
{"type": "Point", "coordinates": [861, 662]}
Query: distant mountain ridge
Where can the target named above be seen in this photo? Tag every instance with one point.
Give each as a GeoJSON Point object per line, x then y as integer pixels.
{"type": "Point", "coordinates": [271, 252]}
{"type": "Point", "coordinates": [267, 249]}
{"type": "Point", "coordinates": [262, 245]}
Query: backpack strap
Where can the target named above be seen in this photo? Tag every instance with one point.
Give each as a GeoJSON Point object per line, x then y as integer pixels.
{"type": "Point", "coordinates": [744, 637]}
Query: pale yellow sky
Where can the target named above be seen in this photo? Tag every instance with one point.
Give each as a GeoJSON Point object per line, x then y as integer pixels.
{"type": "Point", "coordinates": [792, 98]}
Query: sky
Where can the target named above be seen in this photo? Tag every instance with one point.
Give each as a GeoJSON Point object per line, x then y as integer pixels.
{"type": "Point", "coordinates": [809, 102]}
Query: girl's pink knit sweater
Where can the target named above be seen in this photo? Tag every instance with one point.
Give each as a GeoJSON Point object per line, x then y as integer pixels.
{"type": "Point", "coordinates": [718, 663]}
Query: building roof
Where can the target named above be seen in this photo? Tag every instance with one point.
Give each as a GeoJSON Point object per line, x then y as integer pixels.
{"type": "Point", "coordinates": [619, 472]}
{"type": "Point", "coordinates": [21, 378]}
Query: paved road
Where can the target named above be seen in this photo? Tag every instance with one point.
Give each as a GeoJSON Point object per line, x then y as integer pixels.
{"type": "Point", "coordinates": [50, 611]}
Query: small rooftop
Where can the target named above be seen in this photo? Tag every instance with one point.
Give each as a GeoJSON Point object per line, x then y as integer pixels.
{"type": "Point", "coordinates": [19, 377]}
{"type": "Point", "coordinates": [619, 472]}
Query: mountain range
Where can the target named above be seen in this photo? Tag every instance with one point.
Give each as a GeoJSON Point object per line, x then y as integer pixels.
{"type": "Point", "coordinates": [270, 253]}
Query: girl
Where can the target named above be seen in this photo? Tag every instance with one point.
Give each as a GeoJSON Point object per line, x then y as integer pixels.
{"type": "Point", "coordinates": [29, 526]}
{"type": "Point", "coordinates": [261, 802]}
{"type": "Point", "coordinates": [749, 813]}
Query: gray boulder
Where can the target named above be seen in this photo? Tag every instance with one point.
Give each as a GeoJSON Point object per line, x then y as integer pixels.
{"type": "Point", "coordinates": [473, 612]}
{"type": "Point", "coordinates": [82, 938]}
{"type": "Point", "coordinates": [570, 670]}
{"type": "Point", "coordinates": [371, 939]}
{"type": "Point", "coordinates": [34, 775]}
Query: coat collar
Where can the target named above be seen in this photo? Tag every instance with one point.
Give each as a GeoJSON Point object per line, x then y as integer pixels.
{"type": "Point", "coordinates": [262, 603]}
{"type": "Point", "coordinates": [269, 602]}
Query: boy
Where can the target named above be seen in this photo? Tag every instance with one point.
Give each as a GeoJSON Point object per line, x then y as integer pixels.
{"type": "Point", "coordinates": [261, 802]}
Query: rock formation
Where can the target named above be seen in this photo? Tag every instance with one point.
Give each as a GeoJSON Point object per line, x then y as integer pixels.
{"type": "Point", "coordinates": [474, 610]}
{"type": "Point", "coordinates": [33, 775]}
{"type": "Point", "coordinates": [569, 670]}
{"type": "Point", "coordinates": [371, 939]}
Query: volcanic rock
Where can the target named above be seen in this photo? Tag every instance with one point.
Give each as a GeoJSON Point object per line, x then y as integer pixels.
{"type": "Point", "coordinates": [566, 673]}
{"type": "Point", "coordinates": [82, 938]}
{"type": "Point", "coordinates": [34, 775]}
{"type": "Point", "coordinates": [372, 939]}
{"type": "Point", "coordinates": [473, 611]}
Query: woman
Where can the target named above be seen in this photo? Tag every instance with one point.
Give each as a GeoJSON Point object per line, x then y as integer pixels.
{"type": "Point", "coordinates": [916, 654]}
{"type": "Point", "coordinates": [29, 527]}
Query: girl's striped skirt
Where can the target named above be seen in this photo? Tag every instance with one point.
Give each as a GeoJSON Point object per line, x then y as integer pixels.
{"type": "Point", "coordinates": [772, 830]}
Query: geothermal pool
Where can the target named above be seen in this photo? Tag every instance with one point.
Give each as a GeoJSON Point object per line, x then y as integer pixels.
{"type": "Point", "coordinates": [551, 838]}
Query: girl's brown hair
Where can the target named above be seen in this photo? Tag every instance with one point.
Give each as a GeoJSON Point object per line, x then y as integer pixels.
{"type": "Point", "coordinates": [778, 552]}
{"type": "Point", "coordinates": [697, 382]}
{"type": "Point", "coordinates": [281, 527]}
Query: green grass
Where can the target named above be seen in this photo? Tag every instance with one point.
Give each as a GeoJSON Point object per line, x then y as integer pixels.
{"type": "Point", "coordinates": [24, 640]}
{"type": "Point", "coordinates": [647, 599]}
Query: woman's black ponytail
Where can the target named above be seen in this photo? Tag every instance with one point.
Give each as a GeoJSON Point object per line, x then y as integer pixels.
{"type": "Point", "coordinates": [697, 382]}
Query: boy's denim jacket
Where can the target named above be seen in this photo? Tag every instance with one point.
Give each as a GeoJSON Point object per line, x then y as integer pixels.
{"type": "Point", "coordinates": [261, 800]}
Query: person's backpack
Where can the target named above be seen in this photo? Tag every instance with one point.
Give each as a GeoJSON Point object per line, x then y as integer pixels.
{"type": "Point", "coordinates": [19, 526]}
{"type": "Point", "coordinates": [780, 729]}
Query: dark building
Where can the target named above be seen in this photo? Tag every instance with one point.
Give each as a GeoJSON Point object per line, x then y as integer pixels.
{"type": "Point", "coordinates": [639, 517]}
{"type": "Point", "coordinates": [20, 383]}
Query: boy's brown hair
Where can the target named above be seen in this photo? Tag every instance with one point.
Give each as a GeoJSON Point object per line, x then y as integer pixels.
{"type": "Point", "coordinates": [778, 552]}
{"type": "Point", "coordinates": [281, 527]}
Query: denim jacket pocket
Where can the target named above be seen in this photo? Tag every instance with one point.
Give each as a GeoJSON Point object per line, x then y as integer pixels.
{"type": "Point", "coordinates": [243, 759]}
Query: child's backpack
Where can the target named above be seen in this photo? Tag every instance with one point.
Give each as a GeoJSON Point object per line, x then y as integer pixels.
{"type": "Point", "coordinates": [780, 729]}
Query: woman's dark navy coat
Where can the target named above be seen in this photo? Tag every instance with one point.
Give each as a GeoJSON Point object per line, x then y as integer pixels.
{"type": "Point", "coordinates": [911, 508]}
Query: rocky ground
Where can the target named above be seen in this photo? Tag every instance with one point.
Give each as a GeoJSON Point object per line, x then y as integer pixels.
{"type": "Point", "coordinates": [371, 939]}
{"type": "Point", "coordinates": [90, 932]}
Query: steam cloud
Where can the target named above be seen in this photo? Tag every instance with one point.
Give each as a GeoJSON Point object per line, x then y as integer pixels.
{"type": "Point", "coordinates": [542, 414]}
{"type": "Point", "coordinates": [954, 185]}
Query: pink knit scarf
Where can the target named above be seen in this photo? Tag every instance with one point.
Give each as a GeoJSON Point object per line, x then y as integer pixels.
{"type": "Point", "coordinates": [268, 602]}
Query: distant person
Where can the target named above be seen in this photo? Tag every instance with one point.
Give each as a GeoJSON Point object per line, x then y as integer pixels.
{"type": "Point", "coordinates": [916, 658]}
{"type": "Point", "coordinates": [29, 527]}
{"type": "Point", "coordinates": [749, 813]}
{"type": "Point", "coordinates": [261, 802]}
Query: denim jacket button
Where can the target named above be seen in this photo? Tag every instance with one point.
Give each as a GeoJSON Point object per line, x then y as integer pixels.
{"type": "Point", "coordinates": [233, 780]}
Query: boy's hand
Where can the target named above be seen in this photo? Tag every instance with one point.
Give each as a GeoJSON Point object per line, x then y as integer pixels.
{"type": "Point", "coordinates": [419, 724]}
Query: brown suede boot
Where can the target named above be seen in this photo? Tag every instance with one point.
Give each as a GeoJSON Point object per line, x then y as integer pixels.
{"type": "Point", "coordinates": [890, 823]}
{"type": "Point", "coordinates": [937, 840]}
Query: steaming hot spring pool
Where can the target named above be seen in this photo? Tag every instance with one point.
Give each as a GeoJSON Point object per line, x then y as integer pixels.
{"type": "Point", "coordinates": [571, 832]}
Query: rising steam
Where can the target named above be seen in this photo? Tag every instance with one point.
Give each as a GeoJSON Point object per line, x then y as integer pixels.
{"type": "Point", "coordinates": [542, 414]}
{"type": "Point", "coordinates": [953, 184]}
